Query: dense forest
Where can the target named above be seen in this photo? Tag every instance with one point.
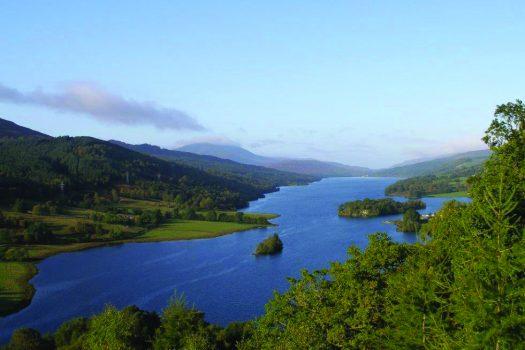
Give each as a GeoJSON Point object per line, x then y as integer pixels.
{"type": "Point", "coordinates": [367, 208]}
{"type": "Point", "coordinates": [461, 287]}
{"type": "Point", "coordinates": [69, 167]}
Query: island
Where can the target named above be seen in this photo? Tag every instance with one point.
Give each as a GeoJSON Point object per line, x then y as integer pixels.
{"type": "Point", "coordinates": [271, 245]}
{"type": "Point", "coordinates": [367, 208]}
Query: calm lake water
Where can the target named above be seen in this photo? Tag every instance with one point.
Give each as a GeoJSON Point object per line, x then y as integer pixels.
{"type": "Point", "coordinates": [220, 276]}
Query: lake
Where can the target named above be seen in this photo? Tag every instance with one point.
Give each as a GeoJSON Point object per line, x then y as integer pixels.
{"type": "Point", "coordinates": [220, 276]}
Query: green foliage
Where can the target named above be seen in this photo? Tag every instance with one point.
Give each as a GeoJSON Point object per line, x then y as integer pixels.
{"type": "Point", "coordinates": [411, 221]}
{"type": "Point", "coordinates": [421, 186]}
{"type": "Point", "coordinates": [376, 207]}
{"type": "Point", "coordinates": [130, 328]}
{"type": "Point", "coordinates": [68, 167]}
{"type": "Point", "coordinates": [183, 328]}
{"type": "Point", "coordinates": [28, 339]}
{"type": "Point", "coordinates": [71, 333]}
{"type": "Point", "coordinates": [271, 245]}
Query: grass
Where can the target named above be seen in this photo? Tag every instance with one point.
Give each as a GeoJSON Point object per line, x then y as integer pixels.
{"type": "Point", "coordinates": [194, 229]}
{"type": "Point", "coordinates": [450, 194]}
{"type": "Point", "coordinates": [15, 290]}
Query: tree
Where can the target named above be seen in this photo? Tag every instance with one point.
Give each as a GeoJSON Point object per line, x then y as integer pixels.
{"type": "Point", "coordinates": [70, 334]}
{"type": "Point", "coordinates": [28, 339]}
{"type": "Point", "coordinates": [182, 328]}
{"type": "Point", "coordinates": [111, 329]}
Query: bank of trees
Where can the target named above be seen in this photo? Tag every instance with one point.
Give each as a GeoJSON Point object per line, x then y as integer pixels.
{"type": "Point", "coordinates": [377, 207]}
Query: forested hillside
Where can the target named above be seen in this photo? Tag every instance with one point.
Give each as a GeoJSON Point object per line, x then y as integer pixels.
{"type": "Point", "coordinates": [49, 168]}
{"type": "Point", "coordinates": [459, 163]}
{"type": "Point", "coordinates": [263, 178]}
{"type": "Point", "coordinates": [449, 182]}
{"type": "Point", "coordinates": [461, 287]}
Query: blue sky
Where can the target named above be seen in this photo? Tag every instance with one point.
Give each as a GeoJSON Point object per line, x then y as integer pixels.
{"type": "Point", "coordinates": [368, 83]}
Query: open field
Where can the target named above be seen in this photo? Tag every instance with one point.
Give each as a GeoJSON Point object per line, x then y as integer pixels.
{"type": "Point", "coordinates": [193, 229]}
{"type": "Point", "coordinates": [15, 291]}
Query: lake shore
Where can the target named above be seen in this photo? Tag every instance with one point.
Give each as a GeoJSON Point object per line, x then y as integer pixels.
{"type": "Point", "coordinates": [17, 291]}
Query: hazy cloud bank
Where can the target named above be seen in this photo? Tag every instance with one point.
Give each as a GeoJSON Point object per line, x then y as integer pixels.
{"type": "Point", "coordinates": [89, 99]}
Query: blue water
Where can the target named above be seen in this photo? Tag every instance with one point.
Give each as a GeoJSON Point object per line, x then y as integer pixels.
{"type": "Point", "coordinates": [220, 276]}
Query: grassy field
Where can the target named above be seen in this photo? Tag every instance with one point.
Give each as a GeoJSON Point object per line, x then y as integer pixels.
{"type": "Point", "coordinates": [450, 194]}
{"type": "Point", "coordinates": [186, 229]}
{"type": "Point", "coordinates": [15, 291]}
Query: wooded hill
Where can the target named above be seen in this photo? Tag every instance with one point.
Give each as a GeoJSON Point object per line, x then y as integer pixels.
{"type": "Point", "coordinates": [39, 167]}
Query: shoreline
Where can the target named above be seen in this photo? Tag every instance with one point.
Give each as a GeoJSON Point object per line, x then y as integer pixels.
{"type": "Point", "coordinates": [24, 281]}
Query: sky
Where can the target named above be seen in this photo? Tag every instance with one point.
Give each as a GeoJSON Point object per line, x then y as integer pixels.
{"type": "Point", "coordinates": [369, 83]}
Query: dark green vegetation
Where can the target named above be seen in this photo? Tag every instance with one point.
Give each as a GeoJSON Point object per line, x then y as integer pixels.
{"type": "Point", "coordinates": [178, 327]}
{"type": "Point", "coordinates": [461, 287]}
{"type": "Point", "coordinates": [377, 207]}
{"type": "Point", "coordinates": [420, 186]}
{"type": "Point", "coordinates": [265, 179]}
{"type": "Point", "coordinates": [271, 245]}
{"type": "Point", "coordinates": [411, 222]}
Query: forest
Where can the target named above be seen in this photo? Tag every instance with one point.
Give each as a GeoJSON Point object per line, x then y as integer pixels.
{"type": "Point", "coordinates": [462, 286]}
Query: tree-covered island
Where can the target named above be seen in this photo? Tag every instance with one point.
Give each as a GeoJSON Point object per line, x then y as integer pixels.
{"type": "Point", "coordinates": [367, 207]}
{"type": "Point", "coordinates": [271, 245]}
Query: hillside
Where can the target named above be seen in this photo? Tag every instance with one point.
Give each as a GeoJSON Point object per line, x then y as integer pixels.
{"type": "Point", "coordinates": [10, 129]}
{"type": "Point", "coordinates": [264, 178]}
{"type": "Point", "coordinates": [454, 163]}
{"type": "Point", "coordinates": [36, 168]}
{"type": "Point", "coordinates": [302, 166]}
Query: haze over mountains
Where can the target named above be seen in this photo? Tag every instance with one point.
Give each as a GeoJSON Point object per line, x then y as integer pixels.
{"type": "Point", "coordinates": [239, 164]}
{"type": "Point", "coordinates": [302, 166]}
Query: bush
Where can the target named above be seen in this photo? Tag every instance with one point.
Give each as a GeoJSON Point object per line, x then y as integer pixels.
{"type": "Point", "coordinates": [271, 245]}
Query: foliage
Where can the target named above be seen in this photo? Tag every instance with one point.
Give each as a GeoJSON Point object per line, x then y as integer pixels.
{"type": "Point", "coordinates": [411, 221]}
{"type": "Point", "coordinates": [377, 207]}
{"type": "Point", "coordinates": [271, 245]}
{"type": "Point", "coordinates": [420, 186]}
{"type": "Point", "coordinates": [28, 339]}
{"type": "Point", "coordinates": [67, 168]}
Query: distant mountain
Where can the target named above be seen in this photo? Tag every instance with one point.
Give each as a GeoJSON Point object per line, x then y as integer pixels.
{"type": "Point", "coordinates": [231, 152]}
{"type": "Point", "coordinates": [319, 168]}
{"type": "Point", "coordinates": [10, 129]}
{"type": "Point", "coordinates": [302, 166]}
{"type": "Point", "coordinates": [443, 165]}
{"type": "Point", "coordinates": [265, 178]}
